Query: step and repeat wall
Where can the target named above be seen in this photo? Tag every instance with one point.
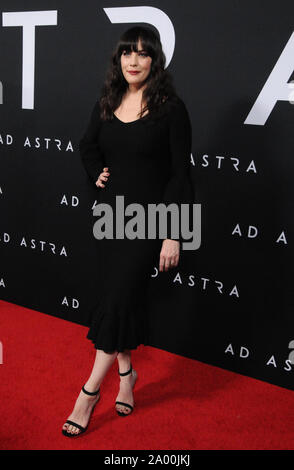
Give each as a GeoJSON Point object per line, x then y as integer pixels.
{"type": "Point", "coordinates": [230, 302]}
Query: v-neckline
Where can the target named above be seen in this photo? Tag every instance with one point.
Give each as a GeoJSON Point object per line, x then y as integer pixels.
{"type": "Point", "coordinates": [130, 122]}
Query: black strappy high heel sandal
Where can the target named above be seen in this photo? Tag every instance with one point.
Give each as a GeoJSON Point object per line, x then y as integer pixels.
{"type": "Point", "coordinates": [81, 428]}
{"type": "Point", "coordinates": [120, 413]}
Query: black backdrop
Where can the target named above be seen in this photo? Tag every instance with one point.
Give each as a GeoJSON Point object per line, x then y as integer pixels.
{"type": "Point", "coordinates": [230, 302]}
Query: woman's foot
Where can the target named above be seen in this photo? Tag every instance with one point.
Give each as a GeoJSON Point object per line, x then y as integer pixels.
{"type": "Point", "coordinates": [125, 394]}
{"type": "Point", "coordinates": [82, 411]}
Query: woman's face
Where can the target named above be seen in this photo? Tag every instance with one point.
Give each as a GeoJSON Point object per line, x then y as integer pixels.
{"type": "Point", "coordinates": [135, 61]}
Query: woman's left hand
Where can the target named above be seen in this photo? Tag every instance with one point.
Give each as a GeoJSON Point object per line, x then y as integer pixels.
{"type": "Point", "coordinates": [169, 255]}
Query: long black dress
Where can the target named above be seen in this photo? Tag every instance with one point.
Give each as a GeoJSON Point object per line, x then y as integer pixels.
{"type": "Point", "coordinates": [148, 160]}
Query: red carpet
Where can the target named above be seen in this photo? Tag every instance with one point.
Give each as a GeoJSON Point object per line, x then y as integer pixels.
{"type": "Point", "coordinates": [179, 403]}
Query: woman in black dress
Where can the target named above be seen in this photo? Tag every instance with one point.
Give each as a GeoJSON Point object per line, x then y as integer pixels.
{"type": "Point", "coordinates": [137, 144]}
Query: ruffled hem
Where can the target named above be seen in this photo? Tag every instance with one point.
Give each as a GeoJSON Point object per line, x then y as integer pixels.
{"type": "Point", "coordinates": [118, 327]}
{"type": "Point", "coordinates": [107, 350]}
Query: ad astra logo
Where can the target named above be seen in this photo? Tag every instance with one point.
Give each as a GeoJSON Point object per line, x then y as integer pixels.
{"type": "Point", "coordinates": [252, 232]}
{"type": "Point", "coordinates": [220, 163]}
{"type": "Point", "coordinates": [29, 20]}
{"type": "Point", "coordinates": [244, 353]}
{"type": "Point", "coordinates": [275, 89]}
{"type": "Point", "coordinates": [127, 230]}
{"type": "Point", "coordinates": [202, 283]}
{"type": "Point", "coordinates": [43, 143]}
{"type": "Point", "coordinates": [38, 245]}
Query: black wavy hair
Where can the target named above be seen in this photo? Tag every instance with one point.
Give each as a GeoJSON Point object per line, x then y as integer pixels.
{"type": "Point", "coordinates": [159, 83]}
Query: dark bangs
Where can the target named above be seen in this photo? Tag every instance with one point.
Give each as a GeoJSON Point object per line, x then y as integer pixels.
{"type": "Point", "coordinates": [129, 41]}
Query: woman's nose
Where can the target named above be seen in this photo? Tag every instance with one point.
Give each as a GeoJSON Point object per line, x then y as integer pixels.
{"type": "Point", "coordinates": [133, 58]}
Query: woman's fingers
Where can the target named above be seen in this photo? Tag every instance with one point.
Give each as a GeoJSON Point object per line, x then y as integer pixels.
{"type": "Point", "coordinates": [98, 182]}
{"type": "Point", "coordinates": [165, 262]}
{"type": "Point", "coordinates": [161, 263]}
{"type": "Point", "coordinates": [175, 261]}
{"type": "Point", "coordinates": [102, 177]}
{"type": "Point", "coordinates": [169, 255]}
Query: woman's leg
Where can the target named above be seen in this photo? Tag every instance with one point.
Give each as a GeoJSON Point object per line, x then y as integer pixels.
{"type": "Point", "coordinates": [84, 404]}
{"type": "Point", "coordinates": [126, 381]}
{"type": "Point", "coordinates": [103, 362]}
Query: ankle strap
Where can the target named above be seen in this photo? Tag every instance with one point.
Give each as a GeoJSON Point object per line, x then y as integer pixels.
{"type": "Point", "coordinates": [126, 373]}
{"type": "Point", "coordinates": [90, 393]}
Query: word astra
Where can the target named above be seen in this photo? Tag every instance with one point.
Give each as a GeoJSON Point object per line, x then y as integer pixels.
{"type": "Point", "coordinates": [43, 143]}
{"type": "Point", "coordinates": [203, 282]}
{"type": "Point", "coordinates": [39, 245]}
{"type": "Point", "coordinates": [220, 162]}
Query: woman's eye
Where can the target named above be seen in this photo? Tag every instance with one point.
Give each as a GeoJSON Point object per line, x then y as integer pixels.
{"type": "Point", "coordinates": [144, 54]}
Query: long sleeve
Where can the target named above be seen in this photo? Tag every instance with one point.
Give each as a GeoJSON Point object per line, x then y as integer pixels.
{"type": "Point", "coordinates": [90, 153]}
{"type": "Point", "coordinates": [179, 188]}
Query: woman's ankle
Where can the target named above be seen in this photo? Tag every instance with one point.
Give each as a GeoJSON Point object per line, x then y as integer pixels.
{"type": "Point", "coordinates": [124, 366]}
{"type": "Point", "coordinates": [92, 386]}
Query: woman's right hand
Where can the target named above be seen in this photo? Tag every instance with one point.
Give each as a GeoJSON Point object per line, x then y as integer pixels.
{"type": "Point", "coordinates": [102, 177]}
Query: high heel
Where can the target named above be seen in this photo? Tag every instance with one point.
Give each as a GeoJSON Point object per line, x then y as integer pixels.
{"type": "Point", "coordinates": [120, 413]}
{"type": "Point", "coordinates": [81, 428]}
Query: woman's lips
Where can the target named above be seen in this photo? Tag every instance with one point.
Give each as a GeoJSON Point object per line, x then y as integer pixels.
{"type": "Point", "coordinates": [134, 73]}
